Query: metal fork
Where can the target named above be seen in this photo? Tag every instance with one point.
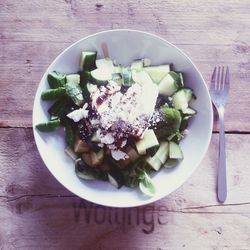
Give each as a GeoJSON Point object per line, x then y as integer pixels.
{"type": "Point", "coordinates": [219, 89]}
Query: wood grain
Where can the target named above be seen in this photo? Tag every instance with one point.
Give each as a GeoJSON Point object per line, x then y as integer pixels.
{"type": "Point", "coordinates": [34, 206]}
{"type": "Point", "coordinates": [37, 212]}
{"type": "Point", "coordinates": [32, 34]}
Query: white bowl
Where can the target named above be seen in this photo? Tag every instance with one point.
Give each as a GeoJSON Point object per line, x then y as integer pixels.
{"type": "Point", "coordinates": [125, 46]}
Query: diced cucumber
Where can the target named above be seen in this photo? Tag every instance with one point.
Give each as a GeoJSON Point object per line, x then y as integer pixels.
{"type": "Point", "coordinates": [100, 76]}
{"type": "Point", "coordinates": [107, 64]}
{"type": "Point", "coordinates": [74, 91]}
{"type": "Point", "coordinates": [189, 111]}
{"type": "Point", "coordinates": [49, 126]}
{"type": "Point", "coordinates": [75, 78]}
{"type": "Point", "coordinates": [59, 107]}
{"type": "Point", "coordinates": [160, 156]}
{"type": "Point", "coordinates": [157, 73]}
{"type": "Point", "coordinates": [137, 65]}
{"type": "Point", "coordinates": [154, 162]}
{"type": "Point", "coordinates": [149, 140]}
{"type": "Point", "coordinates": [152, 151]}
{"type": "Point", "coordinates": [87, 60]}
{"type": "Point", "coordinates": [53, 94]}
{"type": "Point", "coordinates": [175, 151]}
{"type": "Point", "coordinates": [181, 98]}
{"type": "Point", "coordinates": [169, 84]}
{"type": "Point", "coordinates": [141, 77]}
{"type": "Point", "coordinates": [146, 62]}
{"type": "Point", "coordinates": [56, 79]}
{"type": "Point", "coordinates": [117, 69]}
{"type": "Point", "coordinates": [81, 146]}
{"type": "Point", "coordinates": [117, 77]}
{"type": "Point", "coordinates": [188, 93]}
{"type": "Point", "coordinates": [70, 135]}
{"type": "Point", "coordinates": [162, 153]}
{"type": "Point", "coordinates": [127, 76]}
{"type": "Point", "coordinates": [170, 163]}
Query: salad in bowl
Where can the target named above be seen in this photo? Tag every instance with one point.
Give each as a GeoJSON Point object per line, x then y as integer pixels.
{"type": "Point", "coordinates": [122, 118]}
{"type": "Point", "coordinates": [121, 123]}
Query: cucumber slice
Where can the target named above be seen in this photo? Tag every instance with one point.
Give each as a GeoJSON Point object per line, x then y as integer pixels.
{"type": "Point", "coordinates": [169, 84]}
{"type": "Point", "coordinates": [141, 77]}
{"type": "Point", "coordinates": [162, 153]}
{"type": "Point", "coordinates": [137, 65]}
{"type": "Point", "coordinates": [117, 77]}
{"type": "Point", "coordinates": [154, 162]}
{"type": "Point", "coordinates": [106, 63]}
{"type": "Point", "coordinates": [182, 98]}
{"type": "Point", "coordinates": [75, 78]}
{"type": "Point", "coordinates": [189, 111]}
{"type": "Point", "coordinates": [157, 73]}
{"type": "Point", "coordinates": [49, 126]}
{"type": "Point", "coordinates": [149, 140]}
{"type": "Point", "coordinates": [170, 163]}
{"type": "Point", "coordinates": [56, 79]}
{"type": "Point", "coordinates": [74, 91]}
{"type": "Point", "coordinates": [100, 76]}
{"type": "Point", "coordinates": [188, 93]}
{"type": "Point", "coordinates": [117, 69]}
{"type": "Point", "coordinates": [127, 76]}
{"type": "Point", "coordinates": [175, 151]}
{"type": "Point", "coordinates": [87, 60]}
{"type": "Point", "coordinates": [53, 94]}
{"type": "Point", "coordinates": [146, 62]}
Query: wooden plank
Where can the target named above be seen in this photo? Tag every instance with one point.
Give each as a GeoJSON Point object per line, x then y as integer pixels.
{"type": "Point", "coordinates": [27, 69]}
{"type": "Point", "coordinates": [32, 34]}
{"type": "Point", "coordinates": [192, 22]}
{"type": "Point", "coordinates": [33, 210]}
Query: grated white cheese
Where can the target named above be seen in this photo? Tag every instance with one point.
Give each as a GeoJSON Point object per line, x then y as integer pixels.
{"type": "Point", "coordinates": [119, 155]}
{"type": "Point", "coordinates": [107, 139]}
{"type": "Point", "coordinates": [79, 114]}
{"type": "Point", "coordinates": [138, 101]}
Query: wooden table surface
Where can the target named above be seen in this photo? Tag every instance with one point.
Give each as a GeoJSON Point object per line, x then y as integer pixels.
{"type": "Point", "coordinates": [36, 212]}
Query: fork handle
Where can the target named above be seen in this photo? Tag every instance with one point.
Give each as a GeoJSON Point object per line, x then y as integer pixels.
{"type": "Point", "coordinates": [222, 177]}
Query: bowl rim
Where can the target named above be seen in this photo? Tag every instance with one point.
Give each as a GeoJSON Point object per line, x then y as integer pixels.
{"type": "Point", "coordinates": [201, 156]}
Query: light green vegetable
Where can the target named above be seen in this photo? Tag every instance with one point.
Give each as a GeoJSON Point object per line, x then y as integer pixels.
{"type": "Point", "coordinates": [74, 91]}
{"type": "Point", "coordinates": [56, 79]}
{"type": "Point", "coordinates": [87, 60]}
{"type": "Point", "coordinates": [53, 94]}
{"type": "Point", "coordinates": [169, 124]}
{"type": "Point", "coordinates": [146, 185]}
{"type": "Point", "coordinates": [158, 146]}
{"type": "Point", "coordinates": [48, 126]}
